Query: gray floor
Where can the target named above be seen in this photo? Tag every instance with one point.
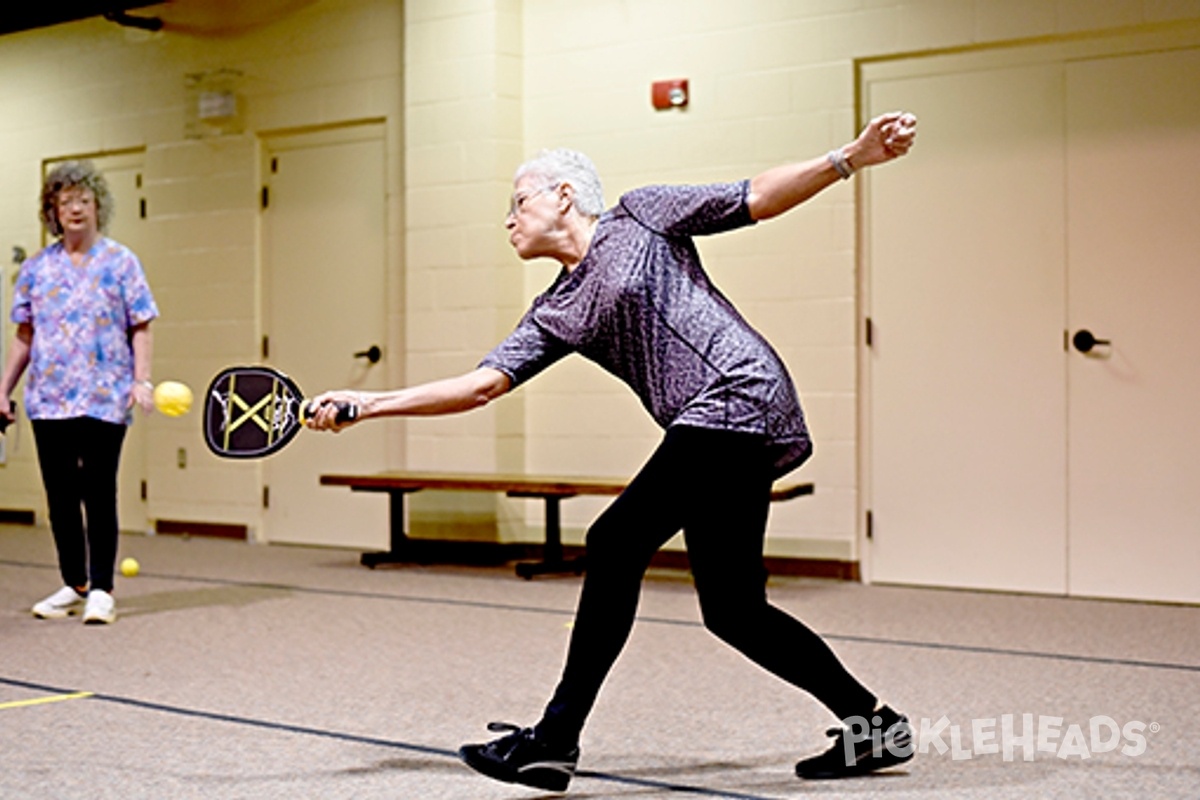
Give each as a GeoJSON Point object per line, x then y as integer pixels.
{"type": "Point", "coordinates": [240, 671]}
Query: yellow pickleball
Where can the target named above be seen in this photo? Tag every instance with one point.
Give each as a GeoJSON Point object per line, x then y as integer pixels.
{"type": "Point", "coordinates": [130, 567]}
{"type": "Point", "coordinates": [172, 398]}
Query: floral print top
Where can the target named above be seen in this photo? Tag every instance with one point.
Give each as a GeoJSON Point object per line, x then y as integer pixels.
{"type": "Point", "coordinates": [81, 359]}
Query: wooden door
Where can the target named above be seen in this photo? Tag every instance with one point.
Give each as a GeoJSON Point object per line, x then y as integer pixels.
{"type": "Point", "coordinates": [1133, 266]}
{"type": "Point", "coordinates": [324, 242]}
{"type": "Point", "coordinates": [1045, 198]}
{"type": "Point", "coordinates": [123, 174]}
{"type": "Point", "coordinates": [965, 369]}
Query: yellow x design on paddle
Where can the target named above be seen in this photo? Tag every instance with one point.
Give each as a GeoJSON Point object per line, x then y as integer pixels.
{"type": "Point", "coordinates": [251, 412]}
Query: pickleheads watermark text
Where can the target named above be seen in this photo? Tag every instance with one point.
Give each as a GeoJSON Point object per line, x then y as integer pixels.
{"type": "Point", "coordinates": [1011, 736]}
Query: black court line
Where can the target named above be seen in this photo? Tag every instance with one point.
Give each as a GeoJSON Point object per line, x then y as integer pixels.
{"type": "Point", "coordinates": [218, 717]}
{"type": "Point", "coordinates": [450, 602]}
{"type": "Point", "coordinates": [283, 727]}
{"type": "Point", "coordinates": [1002, 651]}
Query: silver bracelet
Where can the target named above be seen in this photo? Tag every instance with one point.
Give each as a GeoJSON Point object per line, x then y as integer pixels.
{"type": "Point", "coordinates": [146, 383]}
{"type": "Point", "coordinates": [838, 159]}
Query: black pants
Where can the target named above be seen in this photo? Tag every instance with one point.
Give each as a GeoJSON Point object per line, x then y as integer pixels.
{"type": "Point", "coordinates": [79, 459]}
{"type": "Point", "coordinates": [716, 486]}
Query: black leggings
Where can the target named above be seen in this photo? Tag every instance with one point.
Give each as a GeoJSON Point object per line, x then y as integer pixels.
{"type": "Point", "coordinates": [716, 486]}
{"type": "Point", "coordinates": [79, 459]}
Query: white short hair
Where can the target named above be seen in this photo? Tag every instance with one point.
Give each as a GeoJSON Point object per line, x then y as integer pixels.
{"type": "Point", "coordinates": [569, 166]}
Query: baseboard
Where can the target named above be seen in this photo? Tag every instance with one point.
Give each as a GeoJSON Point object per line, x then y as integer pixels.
{"type": "Point", "coordinates": [186, 528]}
{"type": "Point", "coordinates": [813, 568]}
{"type": "Point", "coordinates": [444, 551]}
{"type": "Point", "coordinates": [775, 565]}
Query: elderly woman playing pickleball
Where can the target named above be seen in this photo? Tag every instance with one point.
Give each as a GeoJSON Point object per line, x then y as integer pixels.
{"type": "Point", "coordinates": [83, 309]}
{"type": "Point", "coordinates": [633, 297]}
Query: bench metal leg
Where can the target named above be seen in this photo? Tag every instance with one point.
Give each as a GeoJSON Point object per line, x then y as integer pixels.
{"type": "Point", "coordinates": [400, 546]}
{"type": "Point", "coordinates": [404, 550]}
{"type": "Point", "coordinates": [552, 555]}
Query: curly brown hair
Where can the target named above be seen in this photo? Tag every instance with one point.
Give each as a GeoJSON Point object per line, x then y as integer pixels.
{"type": "Point", "coordinates": [71, 175]}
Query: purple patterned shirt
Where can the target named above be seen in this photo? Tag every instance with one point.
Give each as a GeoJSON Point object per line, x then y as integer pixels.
{"type": "Point", "coordinates": [641, 306]}
{"type": "Point", "coordinates": [81, 361]}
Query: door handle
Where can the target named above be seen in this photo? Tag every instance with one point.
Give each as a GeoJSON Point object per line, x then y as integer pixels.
{"type": "Point", "coordinates": [1084, 341]}
{"type": "Point", "coordinates": [372, 354]}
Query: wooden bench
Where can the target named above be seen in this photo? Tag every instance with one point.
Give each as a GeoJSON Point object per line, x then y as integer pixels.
{"type": "Point", "coordinates": [550, 489]}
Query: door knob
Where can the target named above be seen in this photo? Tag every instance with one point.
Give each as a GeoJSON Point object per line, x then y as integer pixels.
{"type": "Point", "coordinates": [372, 354]}
{"type": "Point", "coordinates": [1084, 341]}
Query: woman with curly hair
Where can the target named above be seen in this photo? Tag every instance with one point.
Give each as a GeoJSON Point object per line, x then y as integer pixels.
{"type": "Point", "coordinates": [83, 309]}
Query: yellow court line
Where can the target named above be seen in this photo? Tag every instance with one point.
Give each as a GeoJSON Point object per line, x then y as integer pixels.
{"type": "Point", "coordinates": [40, 700]}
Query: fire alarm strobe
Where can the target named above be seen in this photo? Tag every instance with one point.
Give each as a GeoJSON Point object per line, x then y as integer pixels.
{"type": "Point", "coordinates": [669, 94]}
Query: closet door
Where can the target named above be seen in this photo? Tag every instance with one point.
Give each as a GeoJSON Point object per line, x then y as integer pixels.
{"type": "Point", "coordinates": [1045, 200]}
{"type": "Point", "coordinates": [123, 172]}
{"type": "Point", "coordinates": [1133, 246]}
{"type": "Point", "coordinates": [324, 255]}
{"type": "Point", "coordinates": [966, 397]}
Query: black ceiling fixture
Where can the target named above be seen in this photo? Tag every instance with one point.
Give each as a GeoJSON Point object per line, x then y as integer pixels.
{"type": "Point", "coordinates": [29, 15]}
{"type": "Point", "coordinates": [130, 21]}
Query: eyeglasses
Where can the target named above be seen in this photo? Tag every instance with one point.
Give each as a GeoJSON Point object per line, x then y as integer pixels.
{"type": "Point", "coordinates": [69, 197]}
{"type": "Point", "coordinates": [517, 204]}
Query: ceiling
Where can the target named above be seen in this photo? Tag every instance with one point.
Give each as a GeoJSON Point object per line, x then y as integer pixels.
{"type": "Point", "coordinates": [194, 17]}
{"type": "Point", "coordinates": [27, 16]}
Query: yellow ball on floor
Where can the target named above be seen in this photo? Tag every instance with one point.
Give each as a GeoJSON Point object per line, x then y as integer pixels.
{"type": "Point", "coordinates": [172, 398]}
{"type": "Point", "coordinates": [129, 567]}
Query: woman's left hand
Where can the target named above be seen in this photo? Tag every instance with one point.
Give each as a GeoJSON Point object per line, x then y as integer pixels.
{"type": "Point", "coordinates": [142, 395]}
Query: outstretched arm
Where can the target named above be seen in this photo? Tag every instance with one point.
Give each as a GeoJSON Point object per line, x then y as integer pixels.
{"type": "Point", "coordinates": [448, 396]}
{"type": "Point", "coordinates": [782, 188]}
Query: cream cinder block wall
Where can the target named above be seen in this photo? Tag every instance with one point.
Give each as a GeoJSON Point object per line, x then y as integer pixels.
{"type": "Point", "coordinates": [92, 88]}
{"type": "Point", "coordinates": [770, 82]}
{"type": "Point", "coordinates": [463, 114]}
{"type": "Point", "coordinates": [467, 90]}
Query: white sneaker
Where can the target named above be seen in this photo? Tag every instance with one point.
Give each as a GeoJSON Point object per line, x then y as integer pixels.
{"type": "Point", "coordinates": [63, 603]}
{"type": "Point", "coordinates": [101, 610]}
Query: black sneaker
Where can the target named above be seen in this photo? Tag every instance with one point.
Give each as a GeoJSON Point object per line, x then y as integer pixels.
{"type": "Point", "coordinates": [863, 746]}
{"type": "Point", "coordinates": [520, 757]}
